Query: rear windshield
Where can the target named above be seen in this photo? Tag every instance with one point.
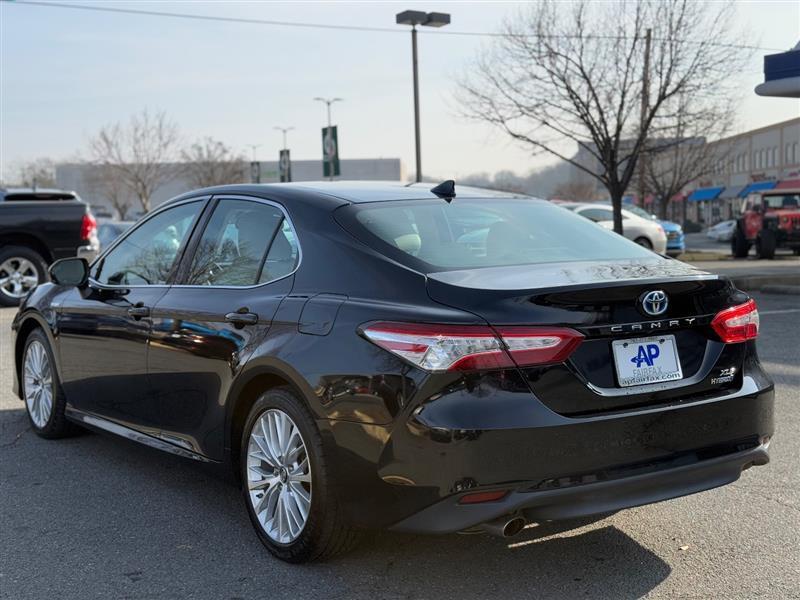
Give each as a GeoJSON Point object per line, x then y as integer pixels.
{"type": "Point", "coordinates": [472, 233]}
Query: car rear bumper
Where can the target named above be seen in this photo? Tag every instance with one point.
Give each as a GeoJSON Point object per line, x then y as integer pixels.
{"type": "Point", "coordinates": [412, 476]}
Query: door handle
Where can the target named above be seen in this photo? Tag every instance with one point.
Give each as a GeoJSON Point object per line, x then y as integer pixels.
{"type": "Point", "coordinates": [241, 319]}
{"type": "Point", "coordinates": [137, 312]}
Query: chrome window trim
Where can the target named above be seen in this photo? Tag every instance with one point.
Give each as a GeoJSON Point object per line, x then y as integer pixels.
{"type": "Point", "coordinates": [166, 206]}
{"type": "Point", "coordinates": [257, 285]}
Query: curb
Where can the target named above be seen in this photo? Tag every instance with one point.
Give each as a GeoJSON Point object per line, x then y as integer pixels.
{"type": "Point", "coordinates": [781, 289]}
{"type": "Point", "coordinates": [788, 284]}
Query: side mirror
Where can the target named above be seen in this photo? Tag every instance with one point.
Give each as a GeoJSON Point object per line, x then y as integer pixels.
{"type": "Point", "coordinates": [70, 271]}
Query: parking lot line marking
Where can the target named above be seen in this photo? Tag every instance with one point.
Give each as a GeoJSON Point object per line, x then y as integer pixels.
{"type": "Point", "coordinates": [779, 311]}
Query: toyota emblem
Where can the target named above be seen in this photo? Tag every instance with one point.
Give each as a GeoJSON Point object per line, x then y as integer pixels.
{"type": "Point", "coordinates": [654, 303]}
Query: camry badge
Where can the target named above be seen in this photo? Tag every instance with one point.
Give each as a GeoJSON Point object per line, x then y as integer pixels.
{"type": "Point", "coordinates": [654, 303]}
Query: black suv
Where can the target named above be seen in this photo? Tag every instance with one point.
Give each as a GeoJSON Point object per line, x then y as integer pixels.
{"type": "Point", "coordinates": [370, 356]}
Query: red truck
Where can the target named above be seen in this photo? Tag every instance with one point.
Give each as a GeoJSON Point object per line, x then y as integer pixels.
{"type": "Point", "coordinates": [769, 220]}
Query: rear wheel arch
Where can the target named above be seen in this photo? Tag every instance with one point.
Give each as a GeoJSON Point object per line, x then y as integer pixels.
{"type": "Point", "coordinates": [247, 389]}
{"type": "Point", "coordinates": [28, 241]}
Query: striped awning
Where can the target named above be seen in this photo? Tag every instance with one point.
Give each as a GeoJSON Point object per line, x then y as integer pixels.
{"type": "Point", "coordinates": [731, 192]}
{"type": "Point", "coordinates": [708, 193]}
{"type": "Point", "coordinates": [788, 184]}
{"type": "Point", "coordinates": [757, 187]}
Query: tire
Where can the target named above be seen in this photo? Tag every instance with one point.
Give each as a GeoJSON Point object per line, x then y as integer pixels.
{"type": "Point", "coordinates": [644, 242]}
{"type": "Point", "coordinates": [325, 532]}
{"type": "Point", "coordinates": [740, 247]}
{"type": "Point", "coordinates": [18, 268]}
{"type": "Point", "coordinates": [41, 389]}
{"type": "Point", "coordinates": [765, 244]}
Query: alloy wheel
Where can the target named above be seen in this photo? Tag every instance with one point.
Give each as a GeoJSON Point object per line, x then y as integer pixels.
{"type": "Point", "coordinates": [18, 276]}
{"type": "Point", "coordinates": [278, 476]}
{"type": "Point", "coordinates": [38, 382]}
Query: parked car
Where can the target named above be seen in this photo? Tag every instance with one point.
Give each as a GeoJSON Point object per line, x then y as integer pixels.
{"type": "Point", "coordinates": [338, 347]}
{"type": "Point", "coordinates": [644, 232]}
{"type": "Point", "coordinates": [676, 242]}
{"type": "Point", "coordinates": [109, 230]}
{"type": "Point", "coordinates": [722, 232]}
{"type": "Point", "coordinates": [769, 220]}
{"type": "Point", "coordinates": [37, 227]}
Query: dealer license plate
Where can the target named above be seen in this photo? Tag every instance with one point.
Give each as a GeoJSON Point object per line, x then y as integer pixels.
{"type": "Point", "coordinates": [640, 361]}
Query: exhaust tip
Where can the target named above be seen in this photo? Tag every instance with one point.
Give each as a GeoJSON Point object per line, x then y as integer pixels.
{"type": "Point", "coordinates": [513, 527]}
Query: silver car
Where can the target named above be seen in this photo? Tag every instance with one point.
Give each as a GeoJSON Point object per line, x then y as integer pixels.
{"type": "Point", "coordinates": [644, 232]}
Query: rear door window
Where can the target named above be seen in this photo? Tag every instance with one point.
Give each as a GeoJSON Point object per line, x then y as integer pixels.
{"type": "Point", "coordinates": [468, 233]}
{"type": "Point", "coordinates": [245, 243]}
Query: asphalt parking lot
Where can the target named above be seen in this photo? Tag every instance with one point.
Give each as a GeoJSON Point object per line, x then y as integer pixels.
{"type": "Point", "coordinates": [98, 517]}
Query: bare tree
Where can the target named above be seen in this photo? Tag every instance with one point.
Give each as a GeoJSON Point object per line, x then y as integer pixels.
{"type": "Point", "coordinates": [40, 172]}
{"type": "Point", "coordinates": [209, 162]}
{"type": "Point", "coordinates": [579, 191]}
{"type": "Point", "coordinates": [682, 154]}
{"type": "Point", "coordinates": [104, 181]}
{"type": "Point", "coordinates": [140, 153]}
{"type": "Point", "coordinates": [599, 75]}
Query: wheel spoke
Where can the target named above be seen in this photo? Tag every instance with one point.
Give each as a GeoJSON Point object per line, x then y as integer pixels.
{"type": "Point", "coordinates": [279, 487]}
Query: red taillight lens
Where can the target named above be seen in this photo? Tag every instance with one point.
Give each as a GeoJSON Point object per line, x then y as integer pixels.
{"type": "Point", "coordinates": [473, 347]}
{"type": "Point", "coordinates": [480, 497]}
{"type": "Point", "coordinates": [737, 324]}
{"type": "Point", "coordinates": [88, 226]}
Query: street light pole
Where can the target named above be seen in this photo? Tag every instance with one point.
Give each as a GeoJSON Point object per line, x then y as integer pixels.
{"type": "Point", "coordinates": [328, 102]}
{"type": "Point", "coordinates": [414, 18]}
{"type": "Point", "coordinates": [285, 130]}
{"type": "Point", "coordinates": [253, 147]}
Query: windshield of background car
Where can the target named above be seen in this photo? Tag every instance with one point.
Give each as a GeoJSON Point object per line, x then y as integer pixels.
{"type": "Point", "coordinates": [783, 201]}
{"type": "Point", "coordinates": [433, 235]}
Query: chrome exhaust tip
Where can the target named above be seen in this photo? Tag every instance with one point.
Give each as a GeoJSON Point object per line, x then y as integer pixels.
{"type": "Point", "coordinates": [504, 526]}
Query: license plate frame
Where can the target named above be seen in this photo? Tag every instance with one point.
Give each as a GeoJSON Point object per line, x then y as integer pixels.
{"type": "Point", "coordinates": [637, 363]}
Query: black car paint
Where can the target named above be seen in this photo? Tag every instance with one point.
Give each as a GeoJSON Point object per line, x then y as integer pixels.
{"type": "Point", "coordinates": [407, 441]}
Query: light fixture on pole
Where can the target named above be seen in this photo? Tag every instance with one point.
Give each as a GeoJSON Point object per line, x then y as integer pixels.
{"type": "Point", "coordinates": [254, 147]}
{"type": "Point", "coordinates": [285, 130]}
{"type": "Point", "coordinates": [329, 156]}
{"type": "Point", "coordinates": [414, 18]}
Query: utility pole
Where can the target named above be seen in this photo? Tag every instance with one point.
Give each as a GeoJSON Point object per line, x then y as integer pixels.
{"type": "Point", "coordinates": [414, 18]}
{"type": "Point", "coordinates": [643, 116]}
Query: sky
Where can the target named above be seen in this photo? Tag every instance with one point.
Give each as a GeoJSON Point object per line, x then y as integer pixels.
{"type": "Point", "coordinates": [65, 73]}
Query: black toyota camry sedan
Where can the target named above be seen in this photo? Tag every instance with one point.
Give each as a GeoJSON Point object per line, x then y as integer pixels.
{"type": "Point", "coordinates": [386, 356]}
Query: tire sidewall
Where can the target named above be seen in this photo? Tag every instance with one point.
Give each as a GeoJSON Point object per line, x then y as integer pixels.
{"type": "Point", "coordinates": [52, 421]}
{"type": "Point", "coordinates": [30, 255]}
{"type": "Point", "coordinates": [304, 546]}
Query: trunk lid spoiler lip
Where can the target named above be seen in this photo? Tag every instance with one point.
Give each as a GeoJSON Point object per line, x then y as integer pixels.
{"type": "Point", "coordinates": [549, 277]}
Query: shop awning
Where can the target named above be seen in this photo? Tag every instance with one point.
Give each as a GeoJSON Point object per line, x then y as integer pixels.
{"type": "Point", "coordinates": [708, 193]}
{"type": "Point", "coordinates": [788, 184]}
{"type": "Point", "coordinates": [731, 192]}
{"type": "Point", "coordinates": [757, 187]}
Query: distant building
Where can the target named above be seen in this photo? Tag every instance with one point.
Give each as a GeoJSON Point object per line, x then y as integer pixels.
{"type": "Point", "coordinates": [757, 158]}
{"type": "Point", "coordinates": [754, 159]}
{"type": "Point", "coordinates": [78, 177]}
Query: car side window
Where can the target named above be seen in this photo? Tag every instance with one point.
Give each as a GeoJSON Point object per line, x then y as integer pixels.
{"type": "Point", "coordinates": [283, 255]}
{"type": "Point", "coordinates": [235, 249]}
{"type": "Point", "coordinates": [147, 255]}
{"type": "Point", "coordinates": [597, 214]}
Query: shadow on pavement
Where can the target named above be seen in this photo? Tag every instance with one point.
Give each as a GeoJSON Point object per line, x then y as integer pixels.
{"type": "Point", "coordinates": [115, 519]}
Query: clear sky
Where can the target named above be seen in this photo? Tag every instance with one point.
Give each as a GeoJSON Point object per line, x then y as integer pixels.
{"type": "Point", "coordinates": [66, 72]}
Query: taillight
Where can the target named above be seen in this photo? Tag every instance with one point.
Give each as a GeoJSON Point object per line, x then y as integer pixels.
{"type": "Point", "coordinates": [88, 226]}
{"type": "Point", "coordinates": [473, 347]}
{"type": "Point", "coordinates": [737, 324]}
